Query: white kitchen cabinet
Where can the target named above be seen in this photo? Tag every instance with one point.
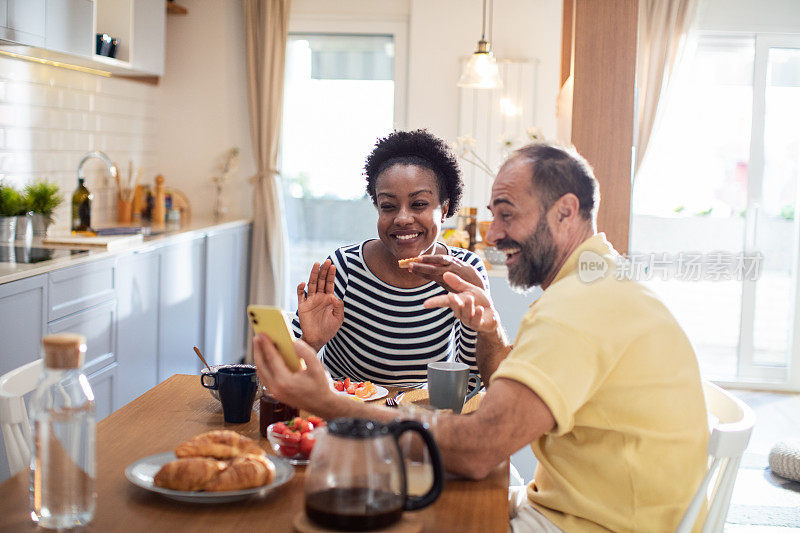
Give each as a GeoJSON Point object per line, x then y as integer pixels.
{"type": "Point", "coordinates": [149, 36]}
{"type": "Point", "coordinates": [103, 383]}
{"type": "Point", "coordinates": [181, 306]}
{"type": "Point", "coordinates": [25, 22]}
{"type": "Point", "coordinates": [97, 324]}
{"type": "Point", "coordinates": [227, 265]}
{"type": "Point", "coordinates": [139, 26]}
{"type": "Point", "coordinates": [69, 27]}
{"type": "Point", "coordinates": [64, 31]}
{"type": "Point", "coordinates": [22, 325]}
{"type": "Point", "coordinates": [511, 305]}
{"type": "Point", "coordinates": [76, 288]}
{"type": "Point", "coordinates": [137, 324]}
{"type": "Point", "coordinates": [22, 315]}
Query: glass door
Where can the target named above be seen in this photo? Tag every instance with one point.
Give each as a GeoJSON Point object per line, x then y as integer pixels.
{"type": "Point", "coordinates": [717, 198]}
{"type": "Point", "coordinates": [767, 341]}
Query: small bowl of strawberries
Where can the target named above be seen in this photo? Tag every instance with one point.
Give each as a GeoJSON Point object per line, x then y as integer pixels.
{"type": "Point", "coordinates": [294, 439]}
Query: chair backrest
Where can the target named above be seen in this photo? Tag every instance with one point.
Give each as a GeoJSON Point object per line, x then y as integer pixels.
{"type": "Point", "coordinates": [13, 416]}
{"type": "Point", "coordinates": [728, 440]}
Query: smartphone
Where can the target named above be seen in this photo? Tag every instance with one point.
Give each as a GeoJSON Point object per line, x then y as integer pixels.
{"type": "Point", "coordinates": [273, 323]}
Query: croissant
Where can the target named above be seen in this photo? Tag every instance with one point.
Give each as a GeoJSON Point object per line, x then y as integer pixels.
{"type": "Point", "coordinates": [243, 473]}
{"type": "Point", "coordinates": [222, 444]}
{"type": "Point", "coordinates": [188, 474]}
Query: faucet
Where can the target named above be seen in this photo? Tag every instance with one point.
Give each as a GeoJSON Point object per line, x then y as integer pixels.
{"type": "Point", "coordinates": [97, 154]}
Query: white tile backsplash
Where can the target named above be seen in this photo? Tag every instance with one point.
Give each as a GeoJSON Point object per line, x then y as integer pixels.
{"type": "Point", "coordinates": [50, 117]}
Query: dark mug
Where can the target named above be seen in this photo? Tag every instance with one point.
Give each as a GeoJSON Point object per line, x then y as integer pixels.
{"type": "Point", "coordinates": [237, 390]}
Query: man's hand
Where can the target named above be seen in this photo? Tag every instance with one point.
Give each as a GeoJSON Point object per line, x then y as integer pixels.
{"type": "Point", "coordinates": [433, 267]}
{"type": "Point", "coordinates": [474, 308]}
{"type": "Point", "coordinates": [308, 388]}
{"type": "Point", "coordinates": [469, 303]}
{"type": "Point", "coordinates": [320, 312]}
{"type": "Point", "coordinates": [305, 389]}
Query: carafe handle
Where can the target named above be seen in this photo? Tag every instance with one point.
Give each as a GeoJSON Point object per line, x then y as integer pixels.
{"type": "Point", "coordinates": [412, 503]}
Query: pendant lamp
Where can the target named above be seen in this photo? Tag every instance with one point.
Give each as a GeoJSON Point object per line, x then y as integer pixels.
{"type": "Point", "coordinates": [481, 70]}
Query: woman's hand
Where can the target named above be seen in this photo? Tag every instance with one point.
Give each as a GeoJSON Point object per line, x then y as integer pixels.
{"type": "Point", "coordinates": [320, 312]}
{"type": "Point", "coordinates": [471, 305]}
{"type": "Point", "coordinates": [306, 389]}
{"type": "Point", "coordinates": [433, 267]}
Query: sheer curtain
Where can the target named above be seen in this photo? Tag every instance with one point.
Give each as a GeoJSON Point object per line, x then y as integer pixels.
{"type": "Point", "coordinates": [663, 24]}
{"type": "Point", "coordinates": [266, 30]}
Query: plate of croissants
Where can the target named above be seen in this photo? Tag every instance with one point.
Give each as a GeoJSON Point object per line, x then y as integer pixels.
{"type": "Point", "coordinates": [214, 467]}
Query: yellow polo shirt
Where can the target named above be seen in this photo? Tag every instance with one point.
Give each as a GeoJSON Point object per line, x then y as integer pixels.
{"type": "Point", "coordinates": [629, 447]}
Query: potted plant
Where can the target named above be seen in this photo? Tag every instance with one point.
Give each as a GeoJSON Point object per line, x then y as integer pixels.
{"type": "Point", "coordinates": [42, 198]}
{"type": "Point", "coordinates": [10, 201]}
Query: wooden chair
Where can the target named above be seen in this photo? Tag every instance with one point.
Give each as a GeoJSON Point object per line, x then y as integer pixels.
{"type": "Point", "coordinates": [13, 416]}
{"type": "Point", "coordinates": [728, 440]}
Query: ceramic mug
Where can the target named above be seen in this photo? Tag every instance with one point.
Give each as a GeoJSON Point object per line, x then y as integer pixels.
{"type": "Point", "coordinates": [447, 385]}
{"type": "Point", "coordinates": [237, 390]}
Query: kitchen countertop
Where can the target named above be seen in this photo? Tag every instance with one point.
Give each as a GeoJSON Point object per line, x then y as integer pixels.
{"type": "Point", "coordinates": [16, 271]}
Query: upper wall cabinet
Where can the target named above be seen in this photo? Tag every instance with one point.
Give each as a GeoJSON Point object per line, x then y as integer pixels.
{"type": "Point", "coordinates": [23, 21]}
{"type": "Point", "coordinates": [65, 31]}
{"type": "Point", "coordinates": [69, 26]}
{"type": "Point", "coordinates": [139, 27]}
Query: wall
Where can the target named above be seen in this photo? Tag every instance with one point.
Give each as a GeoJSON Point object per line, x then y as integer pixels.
{"type": "Point", "coordinates": [441, 32]}
{"type": "Point", "coordinates": [202, 99]}
{"type": "Point", "coordinates": [780, 16]}
{"type": "Point", "coordinates": [202, 104]}
{"type": "Point", "coordinates": [50, 117]}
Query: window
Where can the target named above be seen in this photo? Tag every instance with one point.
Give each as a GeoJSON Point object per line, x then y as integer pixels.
{"type": "Point", "coordinates": [343, 90]}
{"type": "Point", "coordinates": [339, 97]}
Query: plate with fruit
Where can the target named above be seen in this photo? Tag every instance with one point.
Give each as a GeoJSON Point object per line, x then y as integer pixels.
{"type": "Point", "coordinates": [294, 439]}
{"type": "Point", "coordinates": [361, 390]}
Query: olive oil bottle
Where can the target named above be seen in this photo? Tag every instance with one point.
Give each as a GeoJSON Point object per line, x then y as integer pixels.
{"type": "Point", "coordinates": [81, 208]}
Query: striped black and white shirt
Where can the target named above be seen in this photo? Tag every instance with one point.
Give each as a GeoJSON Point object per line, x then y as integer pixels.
{"type": "Point", "coordinates": [387, 337]}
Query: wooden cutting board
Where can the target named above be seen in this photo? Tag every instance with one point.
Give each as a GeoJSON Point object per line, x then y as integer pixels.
{"type": "Point", "coordinates": [109, 242]}
{"type": "Point", "coordinates": [420, 397]}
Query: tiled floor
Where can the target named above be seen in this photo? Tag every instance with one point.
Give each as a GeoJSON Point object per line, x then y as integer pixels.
{"type": "Point", "coordinates": [760, 498]}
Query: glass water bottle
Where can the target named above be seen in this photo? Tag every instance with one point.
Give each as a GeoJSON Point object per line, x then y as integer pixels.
{"type": "Point", "coordinates": [62, 417]}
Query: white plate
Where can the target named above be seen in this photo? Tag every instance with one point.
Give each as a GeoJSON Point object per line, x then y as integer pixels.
{"type": "Point", "coordinates": [379, 393]}
{"type": "Point", "coordinates": [141, 473]}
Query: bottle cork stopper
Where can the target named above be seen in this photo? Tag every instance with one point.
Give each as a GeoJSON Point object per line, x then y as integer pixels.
{"type": "Point", "coordinates": [64, 350]}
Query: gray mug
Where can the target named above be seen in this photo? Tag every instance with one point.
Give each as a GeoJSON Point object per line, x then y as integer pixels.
{"type": "Point", "coordinates": [447, 385]}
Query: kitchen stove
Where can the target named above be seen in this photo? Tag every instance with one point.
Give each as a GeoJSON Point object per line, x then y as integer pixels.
{"type": "Point", "coordinates": [31, 254]}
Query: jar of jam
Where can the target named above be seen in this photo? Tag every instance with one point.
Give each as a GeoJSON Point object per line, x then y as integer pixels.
{"type": "Point", "coordinates": [271, 411]}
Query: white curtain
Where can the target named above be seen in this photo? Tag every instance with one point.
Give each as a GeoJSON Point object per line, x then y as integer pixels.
{"type": "Point", "coordinates": [663, 24]}
{"type": "Point", "coordinates": [266, 30]}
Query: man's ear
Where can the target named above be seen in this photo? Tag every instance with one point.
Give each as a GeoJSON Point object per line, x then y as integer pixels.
{"type": "Point", "coordinates": [567, 207]}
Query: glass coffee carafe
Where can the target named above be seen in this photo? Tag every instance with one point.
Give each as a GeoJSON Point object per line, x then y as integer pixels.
{"type": "Point", "coordinates": [357, 479]}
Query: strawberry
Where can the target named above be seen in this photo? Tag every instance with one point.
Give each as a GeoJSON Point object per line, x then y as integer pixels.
{"type": "Point", "coordinates": [306, 445]}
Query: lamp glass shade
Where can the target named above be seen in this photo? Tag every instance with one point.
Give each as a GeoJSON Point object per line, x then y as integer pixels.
{"type": "Point", "coordinates": [481, 72]}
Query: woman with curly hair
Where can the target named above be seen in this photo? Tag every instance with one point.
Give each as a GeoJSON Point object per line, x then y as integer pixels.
{"type": "Point", "coordinates": [360, 307]}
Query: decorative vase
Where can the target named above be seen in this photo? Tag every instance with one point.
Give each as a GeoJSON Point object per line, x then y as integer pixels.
{"type": "Point", "coordinates": [40, 224]}
{"type": "Point", "coordinates": [8, 226]}
{"type": "Point", "coordinates": [24, 231]}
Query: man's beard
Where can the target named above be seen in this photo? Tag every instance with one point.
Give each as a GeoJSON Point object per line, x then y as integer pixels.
{"type": "Point", "coordinates": [537, 256]}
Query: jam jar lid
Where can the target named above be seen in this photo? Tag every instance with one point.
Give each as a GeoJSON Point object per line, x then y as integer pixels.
{"type": "Point", "coordinates": [357, 428]}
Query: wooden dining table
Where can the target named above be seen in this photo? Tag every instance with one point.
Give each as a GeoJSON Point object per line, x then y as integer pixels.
{"type": "Point", "coordinates": [178, 409]}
